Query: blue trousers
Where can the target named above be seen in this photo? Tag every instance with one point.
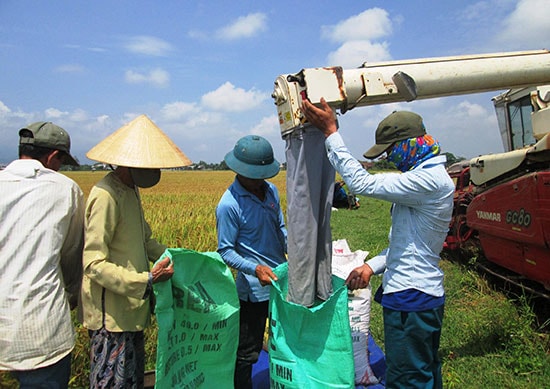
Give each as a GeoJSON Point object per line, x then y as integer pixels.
{"type": "Point", "coordinates": [411, 342]}
{"type": "Point", "coordinates": [55, 376]}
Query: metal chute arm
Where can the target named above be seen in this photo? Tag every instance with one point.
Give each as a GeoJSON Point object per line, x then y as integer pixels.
{"type": "Point", "coordinates": [398, 81]}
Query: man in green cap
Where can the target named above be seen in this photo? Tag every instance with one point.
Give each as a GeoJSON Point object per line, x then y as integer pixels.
{"type": "Point", "coordinates": [411, 294]}
{"type": "Point", "coordinates": [252, 240]}
{"type": "Point", "coordinates": [41, 236]}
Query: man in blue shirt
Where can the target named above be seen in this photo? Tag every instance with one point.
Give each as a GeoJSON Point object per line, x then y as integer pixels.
{"type": "Point", "coordinates": [252, 239]}
{"type": "Point", "coordinates": [412, 292]}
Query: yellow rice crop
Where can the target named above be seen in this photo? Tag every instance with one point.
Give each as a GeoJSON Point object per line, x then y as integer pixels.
{"type": "Point", "coordinates": [181, 208]}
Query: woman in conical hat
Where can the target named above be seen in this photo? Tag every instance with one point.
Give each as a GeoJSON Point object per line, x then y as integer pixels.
{"type": "Point", "coordinates": [143, 148]}
{"type": "Point", "coordinates": [117, 283]}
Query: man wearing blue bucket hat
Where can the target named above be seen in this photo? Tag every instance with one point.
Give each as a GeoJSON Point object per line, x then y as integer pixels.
{"type": "Point", "coordinates": [252, 240]}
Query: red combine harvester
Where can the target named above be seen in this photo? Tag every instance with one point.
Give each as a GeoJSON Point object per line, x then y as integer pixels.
{"type": "Point", "coordinates": [502, 201]}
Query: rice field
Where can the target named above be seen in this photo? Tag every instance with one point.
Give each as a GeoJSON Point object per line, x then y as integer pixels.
{"type": "Point", "coordinates": [486, 342]}
{"type": "Point", "coordinates": [181, 208]}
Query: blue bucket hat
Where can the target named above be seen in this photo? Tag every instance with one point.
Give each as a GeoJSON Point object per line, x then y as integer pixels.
{"type": "Point", "coordinates": [252, 157]}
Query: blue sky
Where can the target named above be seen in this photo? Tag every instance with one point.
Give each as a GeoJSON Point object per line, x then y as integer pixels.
{"type": "Point", "coordinates": [203, 71]}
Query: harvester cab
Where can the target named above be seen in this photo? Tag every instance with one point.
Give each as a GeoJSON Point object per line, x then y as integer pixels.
{"type": "Point", "coordinates": [523, 117]}
{"type": "Point", "coordinates": [502, 201]}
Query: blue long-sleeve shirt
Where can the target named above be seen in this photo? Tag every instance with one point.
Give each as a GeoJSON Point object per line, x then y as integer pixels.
{"type": "Point", "coordinates": [250, 232]}
{"type": "Point", "coordinates": [422, 207]}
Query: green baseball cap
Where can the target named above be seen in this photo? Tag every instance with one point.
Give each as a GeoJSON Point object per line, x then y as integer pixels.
{"type": "Point", "coordinates": [49, 135]}
{"type": "Point", "coordinates": [399, 125]}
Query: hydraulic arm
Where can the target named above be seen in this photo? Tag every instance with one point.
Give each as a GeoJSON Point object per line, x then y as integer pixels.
{"type": "Point", "coordinates": [396, 81]}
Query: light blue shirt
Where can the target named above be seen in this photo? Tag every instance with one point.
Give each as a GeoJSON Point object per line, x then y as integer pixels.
{"type": "Point", "coordinates": [422, 207]}
{"type": "Point", "coordinates": [251, 232]}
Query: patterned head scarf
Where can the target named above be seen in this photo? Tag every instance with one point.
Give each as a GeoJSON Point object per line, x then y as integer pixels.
{"type": "Point", "coordinates": [409, 153]}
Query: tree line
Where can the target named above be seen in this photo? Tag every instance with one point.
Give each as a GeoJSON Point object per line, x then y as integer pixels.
{"type": "Point", "coordinates": [381, 164]}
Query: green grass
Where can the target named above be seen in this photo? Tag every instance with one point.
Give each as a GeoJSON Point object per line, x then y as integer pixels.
{"type": "Point", "coordinates": [488, 340]}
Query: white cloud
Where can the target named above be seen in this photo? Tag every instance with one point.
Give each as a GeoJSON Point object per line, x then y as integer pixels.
{"type": "Point", "coordinates": [231, 99]}
{"type": "Point", "coordinates": [205, 122]}
{"type": "Point", "coordinates": [178, 110]}
{"type": "Point", "coordinates": [472, 110]}
{"type": "Point", "coordinates": [197, 34]}
{"type": "Point", "coordinates": [129, 116]}
{"type": "Point", "coordinates": [157, 77]}
{"type": "Point", "coordinates": [477, 10]}
{"type": "Point", "coordinates": [70, 68]}
{"type": "Point", "coordinates": [195, 125]}
{"type": "Point", "coordinates": [54, 113]}
{"type": "Point", "coordinates": [79, 115]}
{"type": "Point", "coordinates": [103, 119]}
{"type": "Point", "coordinates": [371, 24]}
{"type": "Point", "coordinates": [503, 25]}
{"type": "Point", "coordinates": [244, 27]}
{"type": "Point", "coordinates": [353, 54]}
{"type": "Point", "coordinates": [83, 129]}
{"type": "Point", "coordinates": [357, 37]}
{"type": "Point", "coordinates": [464, 127]}
{"type": "Point", "coordinates": [4, 110]}
{"type": "Point", "coordinates": [148, 45]}
{"type": "Point", "coordinates": [527, 23]}
{"type": "Point", "coordinates": [79, 47]}
{"type": "Point", "coordinates": [268, 126]}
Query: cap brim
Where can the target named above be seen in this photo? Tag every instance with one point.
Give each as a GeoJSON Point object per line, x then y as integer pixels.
{"type": "Point", "coordinates": [256, 172]}
{"type": "Point", "coordinates": [376, 151]}
{"type": "Point", "coordinates": [70, 160]}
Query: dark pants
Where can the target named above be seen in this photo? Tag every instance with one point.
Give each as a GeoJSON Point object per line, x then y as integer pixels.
{"type": "Point", "coordinates": [411, 342]}
{"type": "Point", "coordinates": [55, 376]}
{"type": "Point", "coordinates": [253, 317]}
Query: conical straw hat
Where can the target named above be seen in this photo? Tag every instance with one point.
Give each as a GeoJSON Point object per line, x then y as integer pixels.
{"type": "Point", "coordinates": [139, 143]}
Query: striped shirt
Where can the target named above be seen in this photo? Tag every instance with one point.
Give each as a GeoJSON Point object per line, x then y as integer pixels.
{"type": "Point", "coordinates": [41, 240]}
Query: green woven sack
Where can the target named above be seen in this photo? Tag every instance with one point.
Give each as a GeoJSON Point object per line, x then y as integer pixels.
{"type": "Point", "coordinates": [309, 347]}
{"type": "Point", "coordinates": [197, 312]}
